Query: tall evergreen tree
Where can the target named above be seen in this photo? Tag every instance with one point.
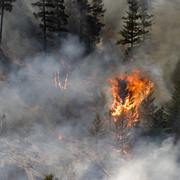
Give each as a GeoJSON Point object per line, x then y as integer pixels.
{"type": "Point", "coordinates": [94, 23]}
{"type": "Point", "coordinates": [88, 16]}
{"type": "Point", "coordinates": [131, 30]}
{"type": "Point", "coordinates": [174, 111]}
{"type": "Point", "coordinates": [121, 130]}
{"type": "Point", "coordinates": [5, 5]}
{"type": "Point", "coordinates": [145, 20]}
{"type": "Point", "coordinates": [83, 10]}
{"type": "Point", "coordinates": [97, 131]}
{"type": "Point", "coordinates": [160, 120]}
{"type": "Point", "coordinates": [147, 111]}
{"type": "Point", "coordinates": [60, 19]}
{"type": "Point", "coordinates": [46, 18]}
{"type": "Point", "coordinates": [53, 17]}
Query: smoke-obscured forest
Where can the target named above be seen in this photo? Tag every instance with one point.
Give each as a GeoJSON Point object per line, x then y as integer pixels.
{"type": "Point", "coordinates": [90, 89]}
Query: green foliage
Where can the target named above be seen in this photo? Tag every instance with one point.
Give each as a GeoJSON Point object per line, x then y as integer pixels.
{"type": "Point", "coordinates": [145, 20]}
{"type": "Point", "coordinates": [160, 120]}
{"type": "Point", "coordinates": [97, 131]}
{"type": "Point", "coordinates": [86, 20]}
{"type": "Point", "coordinates": [53, 20]}
{"type": "Point", "coordinates": [7, 4]}
{"type": "Point", "coordinates": [48, 177]}
{"type": "Point", "coordinates": [131, 30]}
{"type": "Point", "coordinates": [94, 21]}
{"type": "Point", "coordinates": [174, 108]}
{"type": "Point", "coordinates": [4, 5]}
{"type": "Point", "coordinates": [147, 110]}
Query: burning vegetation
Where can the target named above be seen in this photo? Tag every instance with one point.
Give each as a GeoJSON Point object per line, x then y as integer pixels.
{"type": "Point", "coordinates": [128, 91]}
{"type": "Point", "coordinates": [54, 86]}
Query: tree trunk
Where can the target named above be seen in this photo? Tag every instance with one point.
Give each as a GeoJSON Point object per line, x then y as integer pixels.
{"type": "Point", "coordinates": [2, 13]}
{"type": "Point", "coordinates": [58, 24]}
{"type": "Point", "coordinates": [81, 14]}
{"type": "Point", "coordinates": [44, 9]}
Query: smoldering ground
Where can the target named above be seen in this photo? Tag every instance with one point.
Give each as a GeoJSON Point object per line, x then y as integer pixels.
{"type": "Point", "coordinates": [35, 109]}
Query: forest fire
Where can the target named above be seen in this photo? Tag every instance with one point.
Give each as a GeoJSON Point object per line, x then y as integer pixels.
{"type": "Point", "coordinates": [128, 90]}
{"type": "Point", "coordinates": [57, 80]}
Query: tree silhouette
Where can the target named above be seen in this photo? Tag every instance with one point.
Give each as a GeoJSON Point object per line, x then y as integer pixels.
{"type": "Point", "coordinates": [4, 5]}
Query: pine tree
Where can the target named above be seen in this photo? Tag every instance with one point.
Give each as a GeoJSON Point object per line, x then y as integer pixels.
{"type": "Point", "coordinates": [87, 17]}
{"type": "Point", "coordinates": [97, 131]}
{"type": "Point", "coordinates": [147, 110]}
{"type": "Point", "coordinates": [83, 10]}
{"type": "Point", "coordinates": [160, 120]}
{"type": "Point", "coordinates": [145, 20]}
{"type": "Point", "coordinates": [174, 111]}
{"type": "Point", "coordinates": [53, 20]}
{"type": "Point", "coordinates": [94, 23]}
{"type": "Point", "coordinates": [131, 30]}
{"type": "Point", "coordinates": [5, 5]}
{"type": "Point", "coordinates": [60, 19]}
{"type": "Point", "coordinates": [45, 17]}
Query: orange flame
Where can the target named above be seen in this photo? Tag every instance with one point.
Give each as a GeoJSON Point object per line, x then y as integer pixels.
{"type": "Point", "coordinates": [57, 80]}
{"type": "Point", "coordinates": [128, 90]}
{"type": "Point", "coordinates": [60, 137]}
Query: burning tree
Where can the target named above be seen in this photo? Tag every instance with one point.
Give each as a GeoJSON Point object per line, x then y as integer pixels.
{"type": "Point", "coordinates": [128, 91]}
{"type": "Point", "coordinates": [5, 5]}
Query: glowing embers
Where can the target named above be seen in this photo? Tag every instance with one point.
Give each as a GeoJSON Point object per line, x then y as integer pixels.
{"type": "Point", "coordinates": [58, 82]}
{"type": "Point", "coordinates": [128, 90]}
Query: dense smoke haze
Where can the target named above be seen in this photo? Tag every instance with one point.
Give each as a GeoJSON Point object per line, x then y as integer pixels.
{"type": "Point", "coordinates": [54, 124]}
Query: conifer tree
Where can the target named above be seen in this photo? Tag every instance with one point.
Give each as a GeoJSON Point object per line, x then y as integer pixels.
{"type": "Point", "coordinates": [88, 18]}
{"type": "Point", "coordinates": [131, 30]}
{"type": "Point", "coordinates": [160, 119]}
{"type": "Point", "coordinates": [5, 5]}
{"type": "Point", "coordinates": [46, 18]}
{"type": "Point", "coordinates": [60, 18]}
{"type": "Point", "coordinates": [83, 10]}
{"type": "Point", "coordinates": [53, 18]}
{"type": "Point", "coordinates": [94, 22]}
{"type": "Point", "coordinates": [121, 129]}
{"type": "Point", "coordinates": [147, 110]}
{"type": "Point", "coordinates": [174, 108]}
{"type": "Point", "coordinates": [174, 111]}
{"type": "Point", "coordinates": [97, 131]}
{"type": "Point", "coordinates": [145, 20]}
